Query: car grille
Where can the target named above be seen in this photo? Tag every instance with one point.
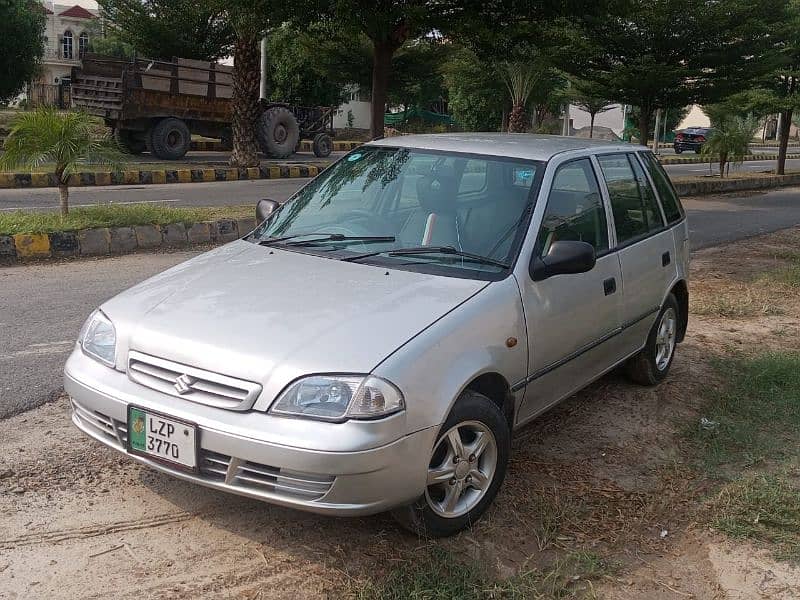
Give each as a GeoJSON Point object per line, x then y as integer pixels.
{"type": "Point", "coordinates": [197, 385]}
{"type": "Point", "coordinates": [255, 476]}
{"type": "Point", "coordinates": [220, 468]}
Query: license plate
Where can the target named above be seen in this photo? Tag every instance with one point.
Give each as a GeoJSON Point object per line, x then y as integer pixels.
{"type": "Point", "coordinates": [162, 438]}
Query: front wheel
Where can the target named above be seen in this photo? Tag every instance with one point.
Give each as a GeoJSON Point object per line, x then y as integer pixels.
{"type": "Point", "coordinates": [465, 470]}
{"type": "Point", "coordinates": [652, 364]}
{"type": "Point", "coordinates": [678, 150]}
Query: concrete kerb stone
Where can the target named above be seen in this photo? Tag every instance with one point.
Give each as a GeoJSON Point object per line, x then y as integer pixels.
{"type": "Point", "coordinates": [64, 243]}
{"type": "Point", "coordinates": [199, 233]}
{"type": "Point", "coordinates": [224, 230]}
{"type": "Point", "coordinates": [174, 234]}
{"type": "Point", "coordinates": [123, 239]}
{"type": "Point", "coordinates": [94, 242]}
{"type": "Point", "coordinates": [245, 226]}
{"type": "Point", "coordinates": [7, 247]}
{"type": "Point", "coordinates": [147, 236]}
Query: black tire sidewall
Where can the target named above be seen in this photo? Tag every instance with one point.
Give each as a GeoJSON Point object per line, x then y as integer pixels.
{"type": "Point", "coordinates": [268, 121]}
{"type": "Point", "coordinates": [658, 375]}
{"type": "Point", "coordinates": [471, 406]}
{"type": "Point", "coordinates": [158, 139]}
{"type": "Point", "coordinates": [322, 145]}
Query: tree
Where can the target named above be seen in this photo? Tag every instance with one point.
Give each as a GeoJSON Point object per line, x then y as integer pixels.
{"type": "Point", "coordinates": [520, 79]}
{"type": "Point", "coordinates": [472, 89]}
{"type": "Point", "coordinates": [21, 44]}
{"type": "Point", "coordinates": [640, 54]}
{"type": "Point", "coordinates": [163, 29]}
{"type": "Point", "coordinates": [589, 98]}
{"type": "Point", "coordinates": [730, 140]}
{"type": "Point", "coordinates": [388, 24]}
{"type": "Point", "coordinates": [64, 140]}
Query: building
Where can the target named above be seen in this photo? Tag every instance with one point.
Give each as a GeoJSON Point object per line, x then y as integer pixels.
{"type": "Point", "coordinates": [67, 35]}
{"type": "Point", "coordinates": [355, 113]}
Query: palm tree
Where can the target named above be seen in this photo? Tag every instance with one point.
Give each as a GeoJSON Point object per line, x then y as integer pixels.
{"type": "Point", "coordinates": [520, 78]}
{"type": "Point", "coordinates": [65, 140]}
{"type": "Point", "coordinates": [730, 140]}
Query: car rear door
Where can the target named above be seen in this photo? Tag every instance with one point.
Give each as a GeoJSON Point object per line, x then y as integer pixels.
{"type": "Point", "coordinates": [644, 243]}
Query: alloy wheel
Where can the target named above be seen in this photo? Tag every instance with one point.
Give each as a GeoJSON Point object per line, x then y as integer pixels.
{"type": "Point", "coordinates": [665, 338]}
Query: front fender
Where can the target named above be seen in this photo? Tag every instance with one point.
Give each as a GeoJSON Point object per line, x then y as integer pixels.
{"type": "Point", "coordinates": [434, 367]}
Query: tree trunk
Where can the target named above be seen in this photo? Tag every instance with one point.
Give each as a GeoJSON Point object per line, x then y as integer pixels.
{"type": "Point", "coordinates": [244, 107]}
{"type": "Point", "coordinates": [381, 68]}
{"type": "Point", "coordinates": [591, 125]}
{"type": "Point", "coordinates": [645, 113]}
{"type": "Point", "coordinates": [517, 120]}
{"type": "Point", "coordinates": [63, 194]}
{"type": "Point", "coordinates": [783, 136]}
{"type": "Point", "coordinates": [723, 158]}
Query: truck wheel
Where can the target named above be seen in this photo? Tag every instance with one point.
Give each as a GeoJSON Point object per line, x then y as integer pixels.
{"type": "Point", "coordinates": [278, 132]}
{"type": "Point", "coordinates": [169, 139]}
{"type": "Point", "coordinates": [465, 471]}
{"type": "Point", "coordinates": [322, 146]}
{"type": "Point", "coordinates": [130, 141]}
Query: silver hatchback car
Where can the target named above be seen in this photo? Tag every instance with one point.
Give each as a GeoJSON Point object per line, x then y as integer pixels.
{"type": "Point", "coordinates": [372, 345]}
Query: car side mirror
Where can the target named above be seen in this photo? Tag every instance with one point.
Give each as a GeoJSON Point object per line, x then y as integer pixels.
{"type": "Point", "coordinates": [265, 208]}
{"type": "Point", "coordinates": [565, 257]}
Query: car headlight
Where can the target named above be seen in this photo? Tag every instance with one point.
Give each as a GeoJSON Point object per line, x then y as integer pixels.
{"type": "Point", "coordinates": [99, 339]}
{"type": "Point", "coordinates": [339, 397]}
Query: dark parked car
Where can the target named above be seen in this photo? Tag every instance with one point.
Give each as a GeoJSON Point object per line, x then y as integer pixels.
{"type": "Point", "coordinates": [692, 138]}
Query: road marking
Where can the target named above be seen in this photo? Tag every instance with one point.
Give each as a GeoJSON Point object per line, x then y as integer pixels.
{"type": "Point", "coordinates": [95, 204]}
{"type": "Point", "coordinates": [40, 349]}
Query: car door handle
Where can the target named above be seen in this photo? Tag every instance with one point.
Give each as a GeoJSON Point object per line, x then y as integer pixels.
{"type": "Point", "coordinates": [610, 286]}
{"type": "Point", "coordinates": [665, 259]}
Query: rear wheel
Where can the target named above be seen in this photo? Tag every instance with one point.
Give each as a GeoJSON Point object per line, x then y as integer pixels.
{"type": "Point", "coordinates": [130, 141]}
{"type": "Point", "coordinates": [169, 139]}
{"type": "Point", "coordinates": [678, 150]}
{"type": "Point", "coordinates": [278, 132]}
{"type": "Point", "coordinates": [465, 471]}
{"type": "Point", "coordinates": [322, 145]}
{"type": "Point", "coordinates": [652, 364]}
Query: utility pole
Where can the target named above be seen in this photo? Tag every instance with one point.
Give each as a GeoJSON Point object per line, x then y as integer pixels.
{"type": "Point", "coordinates": [658, 128]}
{"type": "Point", "coordinates": [565, 130]}
{"type": "Point", "coordinates": [263, 92]}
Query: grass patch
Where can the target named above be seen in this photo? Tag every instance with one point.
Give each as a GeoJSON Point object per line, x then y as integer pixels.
{"type": "Point", "coordinates": [747, 301]}
{"type": "Point", "coordinates": [787, 276]}
{"type": "Point", "coordinates": [110, 215]}
{"type": "Point", "coordinates": [437, 574]}
{"type": "Point", "coordinates": [764, 508]}
{"type": "Point", "coordinates": [757, 416]}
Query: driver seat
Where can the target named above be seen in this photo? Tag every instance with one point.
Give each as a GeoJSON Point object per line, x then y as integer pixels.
{"type": "Point", "coordinates": [435, 222]}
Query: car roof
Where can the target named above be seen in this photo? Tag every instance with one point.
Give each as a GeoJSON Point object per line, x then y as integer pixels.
{"type": "Point", "coordinates": [512, 145]}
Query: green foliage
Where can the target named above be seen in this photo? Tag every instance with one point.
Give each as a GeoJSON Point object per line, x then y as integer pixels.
{"type": "Point", "coordinates": [730, 140]}
{"type": "Point", "coordinates": [417, 78]}
{"type": "Point", "coordinates": [164, 29]}
{"type": "Point", "coordinates": [65, 139]}
{"type": "Point", "coordinates": [22, 25]}
{"type": "Point", "coordinates": [475, 90]}
{"type": "Point", "coordinates": [757, 412]}
{"type": "Point", "coordinates": [437, 574]}
{"type": "Point", "coordinates": [114, 215]}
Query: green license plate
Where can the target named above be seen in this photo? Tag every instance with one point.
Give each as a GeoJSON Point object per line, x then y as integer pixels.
{"type": "Point", "coordinates": [162, 438]}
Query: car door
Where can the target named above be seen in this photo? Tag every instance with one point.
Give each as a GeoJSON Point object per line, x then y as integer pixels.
{"type": "Point", "coordinates": [572, 320]}
{"type": "Point", "coordinates": [645, 246]}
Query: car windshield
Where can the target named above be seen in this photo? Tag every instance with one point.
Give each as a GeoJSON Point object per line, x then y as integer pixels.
{"type": "Point", "coordinates": [437, 212]}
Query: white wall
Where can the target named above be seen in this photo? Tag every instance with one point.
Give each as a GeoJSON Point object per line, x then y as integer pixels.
{"type": "Point", "coordinates": [695, 118]}
{"type": "Point", "coordinates": [612, 119]}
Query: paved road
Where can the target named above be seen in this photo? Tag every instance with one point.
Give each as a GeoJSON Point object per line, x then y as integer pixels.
{"type": "Point", "coordinates": [174, 194]}
{"type": "Point", "coordinates": [43, 306]}
{"type": "Point", "coordinates": [234, 192]}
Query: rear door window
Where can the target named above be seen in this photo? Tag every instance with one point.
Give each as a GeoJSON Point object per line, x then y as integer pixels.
{"type": "Point", "coordinates": [669, 198]}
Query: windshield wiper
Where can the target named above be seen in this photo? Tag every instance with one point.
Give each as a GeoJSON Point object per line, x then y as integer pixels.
{"type": "Point", "coordinates": [449, 250]}
{"type": "Point", "coordinates": [328, 237]}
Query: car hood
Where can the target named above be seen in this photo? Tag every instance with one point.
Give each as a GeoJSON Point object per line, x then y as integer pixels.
{"type": "Point", "coordinates": [269, 315]}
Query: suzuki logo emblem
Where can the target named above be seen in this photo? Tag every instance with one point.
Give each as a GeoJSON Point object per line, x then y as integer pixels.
{"type": "Point", "coordinates": [184, 383]}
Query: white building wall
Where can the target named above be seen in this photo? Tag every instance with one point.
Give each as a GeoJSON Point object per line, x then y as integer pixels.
{"type": "Point", "coordinates": [695, 118]}
{"type": "Point", "coordinates": [358, 103]}
{"type": "Point", "coordinates": [613, 119]}
{"type": "Point", "coordinates": [55, 65]}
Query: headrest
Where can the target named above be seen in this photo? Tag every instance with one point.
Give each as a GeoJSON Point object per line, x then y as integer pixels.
{"type": "Point", "coordinates": [436, 192]}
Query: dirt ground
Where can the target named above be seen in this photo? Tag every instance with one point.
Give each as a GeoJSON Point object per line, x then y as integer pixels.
{"type": "Point", "coordinates": [602, 472]}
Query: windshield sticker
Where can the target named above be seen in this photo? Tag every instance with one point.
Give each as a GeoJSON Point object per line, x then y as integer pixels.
{"type": "Point", "coordinates": [354, 157]}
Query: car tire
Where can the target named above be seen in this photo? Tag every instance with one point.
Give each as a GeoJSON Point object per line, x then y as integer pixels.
{"type": "Point", "coordinates": [169, 139]}
{"type": "Point", "coordinates": [678, 150]}
{"type": "Point", "coordinates": [444, 509]}
{"type": "Point", "coordinates": [651, 365]}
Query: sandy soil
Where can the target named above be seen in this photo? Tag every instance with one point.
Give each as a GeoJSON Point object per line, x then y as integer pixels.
{"type": "Point", "coordinates": [600, 472]}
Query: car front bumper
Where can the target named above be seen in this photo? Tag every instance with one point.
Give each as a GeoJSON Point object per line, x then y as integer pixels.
{"type": "Point", "coordinates": [242, 459]}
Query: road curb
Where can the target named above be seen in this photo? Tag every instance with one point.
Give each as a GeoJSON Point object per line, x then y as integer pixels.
{"type": "Point", "coordinates": [721, 186]}
{"type": "Point", "coordinates": [305, 146]}
{"type": "Point", "coordinates": [692, 160]}
{"type": "Point", "coordinates": [148, 177]}
{"type": "Point", "coordinates": [108, 241]}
